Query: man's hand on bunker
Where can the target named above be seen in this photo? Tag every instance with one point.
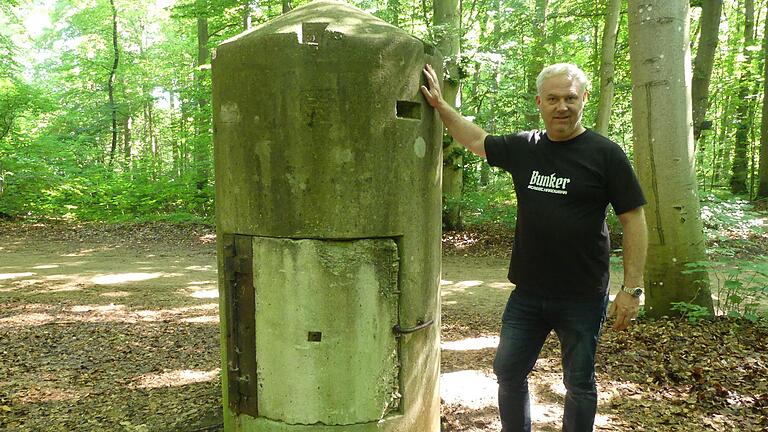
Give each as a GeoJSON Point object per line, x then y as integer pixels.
{"type": "Point", "coordinates": [432, 90]}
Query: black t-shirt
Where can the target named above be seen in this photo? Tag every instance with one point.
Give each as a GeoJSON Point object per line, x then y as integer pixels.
{"type": "Point", "coordinates": [563, 190]}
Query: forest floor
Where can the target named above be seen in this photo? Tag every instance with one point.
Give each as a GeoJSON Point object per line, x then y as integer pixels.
{"type": "Point", "coordinates": [115, 328]}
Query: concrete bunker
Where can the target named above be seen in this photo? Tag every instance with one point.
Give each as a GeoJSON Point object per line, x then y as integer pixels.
{"type": "Point", "coordinates": [328, 169]}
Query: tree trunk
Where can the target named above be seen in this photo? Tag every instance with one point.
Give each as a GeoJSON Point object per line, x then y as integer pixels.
{"type": "Point", "coordinates": [287, 7]}
{"type": "Point", "coordinates": [663, 136]}
{"type": "Point", "coordinates": [721, 147]}
{"type": "Point", "coordinates": [447, 25]}
{"type": "Point", "coordinates": [201, 148]}
{"type": "Point", "coordinates": [184, 134]}
{"type": "Point", "coordinates": [127, 137]}
{"type": "Point", "coordinates": [608, 50]}
{"type": "Point", "coordinates": [111, 83]}
{"type": "Point", "coordinates": [174, 134]}
{"type": "Point", "coordinates": [739, 166]}
{"type": "Point", "coordinates": [536, 63]}
{"type": "Point", "coordinates": [393, 12]}
{"type": "Point", "coordinates": [151, 132]}
{"type": "Point", "coordinates": [485, 169]}
{"type": "Point", "coordinates": [711, 10]}
{"type": "Point", "coordinates": [762, 177]}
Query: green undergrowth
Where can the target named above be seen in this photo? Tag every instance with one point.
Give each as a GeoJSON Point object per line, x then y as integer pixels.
{"type": "Point", "coordinates": [98, 194]}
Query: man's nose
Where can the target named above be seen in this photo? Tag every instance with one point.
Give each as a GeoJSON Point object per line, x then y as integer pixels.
{"type": "Point", "coordinates": [561, 105]}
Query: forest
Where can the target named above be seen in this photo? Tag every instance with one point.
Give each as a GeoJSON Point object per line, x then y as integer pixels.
{"type": "Point", "coordinates": [107, 170]}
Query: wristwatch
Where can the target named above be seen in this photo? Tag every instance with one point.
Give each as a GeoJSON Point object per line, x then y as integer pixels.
{"type": "Point", "coordinates": [636, 292]}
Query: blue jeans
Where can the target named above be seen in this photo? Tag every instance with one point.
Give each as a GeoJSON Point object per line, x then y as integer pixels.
{"type": "Point", "coordinates": [526, 322]}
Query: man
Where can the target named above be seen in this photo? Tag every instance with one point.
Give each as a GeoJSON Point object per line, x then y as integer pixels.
{"type": "Point", "coordinates": [564, 179]}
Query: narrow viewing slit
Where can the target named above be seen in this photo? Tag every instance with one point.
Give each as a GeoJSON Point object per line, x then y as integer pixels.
{"type": "Point", "coordinates": [312, 33]}
{"type": "Point", "coordinates": [314, 336]}
{"type": "Point", "coordinates": [409, 110]}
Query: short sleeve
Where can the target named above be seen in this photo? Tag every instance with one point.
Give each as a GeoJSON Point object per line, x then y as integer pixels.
{"type": "Point", "coordinates": [495, 151]}
{"type": "Point", "coordinates": [624, 191]}
{"type": "Point", "coordinates": [504, 151]}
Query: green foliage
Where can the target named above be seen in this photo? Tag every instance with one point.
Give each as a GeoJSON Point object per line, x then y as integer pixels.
{"type": "Point", "coordinates": [741, 287]}
{"type": "Point", "coordinates": [724, 214]}
{"type": "Point", "coordinates": [53, 94]}
{"type": "Point", "coordinates": [694, 313]}
{"type": "Point", "coordinates": [492, 204]}
{"type": "Point", "coordinates": [97, 194]}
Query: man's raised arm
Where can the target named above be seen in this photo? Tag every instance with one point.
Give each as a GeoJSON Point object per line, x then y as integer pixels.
{"type": "Point", "coordinates": [462, 130]}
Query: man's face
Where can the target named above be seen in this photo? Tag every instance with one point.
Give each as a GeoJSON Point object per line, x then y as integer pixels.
{"type": "Point", "coordinates": [561, 104]}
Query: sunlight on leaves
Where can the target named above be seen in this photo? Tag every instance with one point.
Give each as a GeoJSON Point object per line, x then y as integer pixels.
{"type": "Point", "coordinates": [206, 294]}
{"type": "Point", "coordinates": [471, 388]}
{"type": "Point", "coordinates": [15, 275]}
{"type": "Point", "coordinates": [110, 279]}
{"type": "Point", "coordinates": [174, 378]}
{"type": "Point", "coordinates": [471, 344]}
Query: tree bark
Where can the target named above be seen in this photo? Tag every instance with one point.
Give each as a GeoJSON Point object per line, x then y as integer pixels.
{"type": "Point", "coordinates": [739, 166]}
{"type": "Point", "coordinates": [536, 64]}
{"type": "Point", "coordinates": [663, 137]}
{"type": "Point", "coordinates": [287, 7]}
{"type": "Point", "coordinates": [127, 138]}
{"type": "Point", "coordinates": [711, 11]}
{"type": "Point", "coordinates": [762, 176]}
{"type": "Point", "coordinates": [607, 52]}
{"type": "Point", "coordinates": [393, 11]}
{"type": "Point", "coordinates": [201, 148]}
{"type": "Point", "coordinates": [447, 25]}
{"type": "Point", "coordinates": [111, 83]}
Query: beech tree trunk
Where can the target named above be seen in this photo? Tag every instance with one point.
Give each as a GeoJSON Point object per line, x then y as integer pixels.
{"type": "Point", "coordinates": [201, 149]}
{"type": "Point", "coordinates": [711, 11]}
{"type": "Point", "coordinates": [664, 154]}
{"type": "Point", "coordinates": [536, 64]}
{"type": "Point", "coordinates": [111, 83]}
{"type": "Point", "coordinates": [739, 166]}
{"type": "Point", "coordinates": [607, 52]}
{"type": "Point", "coordinates": [762, 176]}
{"type": "Point", "coordinates": [447, 25]}
{"type": "Point", "coordinates": [127, 139]}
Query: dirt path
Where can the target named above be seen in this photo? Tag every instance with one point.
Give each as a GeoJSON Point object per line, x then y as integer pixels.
{"type": "Point", "coordinates": [116, 329]}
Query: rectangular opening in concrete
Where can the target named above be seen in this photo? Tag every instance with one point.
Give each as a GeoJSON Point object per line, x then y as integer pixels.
{"type": "Point", "coordinates": [312, 32]}
{"type": "Point", "coordinates": [314, 336]}
{"type": "Point", "coordinates": [409, 110]}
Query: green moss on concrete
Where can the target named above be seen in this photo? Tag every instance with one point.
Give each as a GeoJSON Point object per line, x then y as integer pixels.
{"type": "Point", "coordinates": [305, 121]}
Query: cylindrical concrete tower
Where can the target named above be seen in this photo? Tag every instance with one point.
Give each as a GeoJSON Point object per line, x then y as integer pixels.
{"type": "Point", "coordinates": [328, 171]}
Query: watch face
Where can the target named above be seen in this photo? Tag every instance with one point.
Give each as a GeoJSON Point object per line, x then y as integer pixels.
{"type": "Point", "coordinates": [637, 292]}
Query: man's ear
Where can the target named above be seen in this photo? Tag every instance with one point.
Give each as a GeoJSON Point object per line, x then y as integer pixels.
{"type": "Point", "coordinates": [586, 96]}
{"type": "Point", "coordinates": [538, 100]}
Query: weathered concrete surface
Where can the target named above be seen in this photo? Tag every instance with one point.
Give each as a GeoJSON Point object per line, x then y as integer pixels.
{"type": "Point", "coordinates": [321, 133]}
{"type": "Point", "coordinates": [334, 369]}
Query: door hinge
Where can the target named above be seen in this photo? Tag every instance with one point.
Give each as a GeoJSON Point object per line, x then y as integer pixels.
{"type": "Point", "coordinates": [240, 303]}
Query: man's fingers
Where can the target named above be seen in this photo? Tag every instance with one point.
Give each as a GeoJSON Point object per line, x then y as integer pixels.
{"type": "Point", "coordinates": [425, 91]}
{"type": "Point", "coordinates": [624, 317]}
{"type": "Point", "coordinates": [612, 309]}
{"type": "Point", "coordinates": [430, 75]}
{"type": "Point", "coordinates": [620, 323]}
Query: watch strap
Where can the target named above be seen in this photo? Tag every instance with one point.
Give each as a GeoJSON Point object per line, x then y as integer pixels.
{"type": "Point", "coordinates": [634, 292]}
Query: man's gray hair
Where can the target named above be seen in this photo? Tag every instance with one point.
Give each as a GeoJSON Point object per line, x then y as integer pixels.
{"type": "Point", "coordinates": [563, 69]}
